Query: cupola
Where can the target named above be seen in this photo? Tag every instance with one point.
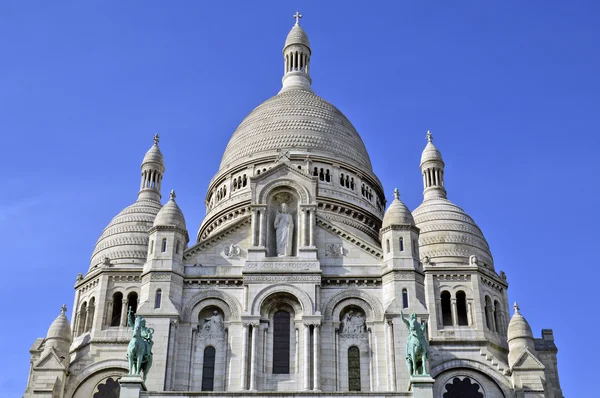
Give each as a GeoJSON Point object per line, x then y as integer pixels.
{"type": "Point", "coordinates": [296, 54]}
{"type": "Point", "coordinates": [519, 336]}
{"type": "Point", "coordinates": [59, 334]}
{"type": "Point", "coordinates": [170, 215]}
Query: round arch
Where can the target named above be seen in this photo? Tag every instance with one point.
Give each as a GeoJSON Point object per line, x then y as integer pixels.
{"type": "Point", "coordinates": [232, 308]}
{"type": "Point", "coordinates": [371, 305]}
{"type": "Point", "coordinates": [305, 300]}
{"type": "Point", "coordinates": [102, 367]}
{"type": "Point", "coordinates": [268, 189]}
{"type": "Point", "coordinates": [460, 364]}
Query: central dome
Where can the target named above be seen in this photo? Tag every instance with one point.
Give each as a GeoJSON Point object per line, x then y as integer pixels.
{"type": "Point", "coordinates": [296, 119]}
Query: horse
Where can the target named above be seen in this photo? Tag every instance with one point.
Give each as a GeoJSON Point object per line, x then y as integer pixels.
{"type": "Point", "coordinates": [417, 350]}
{"type": "Point", "coordinates": [139, 351]}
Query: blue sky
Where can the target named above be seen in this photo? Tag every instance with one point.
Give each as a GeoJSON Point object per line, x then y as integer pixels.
{"type": "Point", "coordinates": [510, 90]}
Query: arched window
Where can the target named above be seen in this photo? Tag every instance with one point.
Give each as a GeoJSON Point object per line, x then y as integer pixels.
{"type": "Point", "coordinates": [132, 302]}
{"type": "Point", "coordinates": [387, 245]}
{"type": "Point", "coordinates": [109, 389]}
{"type": "Point", "coordinates": [497, 316]}
{"type": "Point", "coordinates": [235, 184]}
{"type": "Point", "coordinates": [90, 317]}
{"type": "Point", "coordinates": [342, 179]}
{"type": "Point", "coordinates": [327, 176]}
{"type": "Point", "coordinates": [488, 312]}
{"type": "Point", "coordinates": [163, 247]}
{"type": "Point", "coordinates": [158, 298]}
{"type": "Point", "coordinates": [401, 244]}
{"type": "Point", "coordinates": [462, 389]}
{"type": "Point", "coordinates": [208, 369]}
{"type": "Point", "coordinates": [82, 313]}
{"type": "Point", "coordinates": [321, 175]}
{"type": "Point", "coordinates": [353, 369]}
{"type": "Point", "coordinates": [316, 171]}
{"type": "Point", "coordinates": [404, 298]}
{"type": "Point", "coordinates": [461, 308]}
{"type": "Point", "coordinates": [281, 342]}
{"type": "Point", "coordinates": [117, 309]}
{"type": "Point", "coordinates": [352, 183]}
{"type": "Point", "coordinates": [446, 309]}
{"type": "Point", "coordinates": [244, 181]}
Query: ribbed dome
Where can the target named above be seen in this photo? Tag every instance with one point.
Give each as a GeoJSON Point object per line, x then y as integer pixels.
{"type": "Point", "coordinates": [447, 231]}
{"type": "Point", "coordinates": [430, 153]}
{"type": "Point", "coordinates": [297, 120]}
{"type": "Point", "coordinates": [60, 328]}
{"type": "Point", "coordinates": [297, 36]}
{"type": "Point", "coordinates": [125, 238]}
{"type": "Point", "coordinates": [170, 215]}
{"type": "Point", "coordinates": [154, 155]}
{"type": "Point", "coordinates": [397, 213]}
{"type": "Point", "coordinates": [518, 326]}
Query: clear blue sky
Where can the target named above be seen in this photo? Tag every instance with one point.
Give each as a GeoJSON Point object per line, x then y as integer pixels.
{"type": "Point", "coordinates": [510, 90]}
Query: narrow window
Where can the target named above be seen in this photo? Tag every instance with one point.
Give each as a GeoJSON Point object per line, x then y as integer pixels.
{"type": "Point", "coordinates": [316, 172]}
{"type": "Point", "coordinates": [353, 369]}
{"type": "Point", "coordinates": [82, 315]}
{"type": "Point", "coordinates": [342, 179]}
{"type": "Point", "coordinates": [387, 245]}
{"type": "Point", "coordinates": [245, 181]}
{"type": "Point", "coordinates": [208, 369]}
{"type": "Point", "coordinates": [327, 176]}
{"type": "Point", "coordinates": [404, 298]}
{"type": "Point", "coordinates": [362, 189]}
{"type": "Point", "coordinates": [281, 342]}
{"type": "Point", "coordinates": [117, 309]}
{"type": "Point", "coordinates": [234, 184]}
{"type": "Point", "coordinates": [321, 175]}
{"type": "Point", "coordinates": [132, 302]}
{"type": "Point", "coordinates": [446, 309]}
{"type": "Point", "coordinates": [461, 308]}
{"type": "Point", "coordinates": [414, 247]}
{"type": "Point", "coordinates": [177, 248]}
{"type": "Point", "coordinates": [496, 315]}
{"type": "Point", "coordinates": [488, 312]}
{"type": "Point", "coordinates": [90, 318]}
{"type": "Point", "coordinates": [158, 298]}
{"type": "Point", "coordinates": [352, 183]}
{"type": "Point", "coordinates": [164, 245]}
{"type": "Point", "coordinates": [151, 246]}
{"type": "Point", "coordinates": [401, 244]}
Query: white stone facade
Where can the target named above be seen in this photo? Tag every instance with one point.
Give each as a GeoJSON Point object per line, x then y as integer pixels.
{"type": "Point", "coordinates": [327, 318]}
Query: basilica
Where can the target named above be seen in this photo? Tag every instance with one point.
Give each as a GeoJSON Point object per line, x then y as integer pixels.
{"type": "Point", "coordinates": [301, 280]}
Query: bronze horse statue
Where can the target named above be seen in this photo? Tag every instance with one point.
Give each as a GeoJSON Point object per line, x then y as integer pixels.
{"type": "Point", "coordinates": [417, 347]}
{"type": "Point", "coordinates": [139, 351]}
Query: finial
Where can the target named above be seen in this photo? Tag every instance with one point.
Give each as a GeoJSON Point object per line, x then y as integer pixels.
{"type": "Point", "coordinates": [156, 139]}
{"type": "Point", "coordinates": [297, 15]}
{"type": "Point", "coordinates": [516, 307]}
{"type": "Point", "coordinates": [63, 309]}
{"type": "Point", "coordinates": [396, 193]}
{"type": "Point", "coordinates": [172, 195]}
{"type": "Point", "coordinates": [429, 136]}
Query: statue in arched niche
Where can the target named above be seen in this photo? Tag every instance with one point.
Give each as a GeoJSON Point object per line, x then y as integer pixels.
{"type": "Point", "coordinates": [353, 322]}
{"type": "Point", "coordinates": [284, 231]}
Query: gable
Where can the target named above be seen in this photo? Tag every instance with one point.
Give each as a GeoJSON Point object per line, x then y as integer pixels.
{"type": "Point", "coordinates": [528, 361]}
{"type": "Point", "coordinates": [222, 249]}
{"type": "Point", "coordinates": [49, 361]}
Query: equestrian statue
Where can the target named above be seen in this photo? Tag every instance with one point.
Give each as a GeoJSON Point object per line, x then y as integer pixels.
{"type": "Point", "coordinates": [139, 351]}
{"type": "Point", "coordinates": [417, 346]}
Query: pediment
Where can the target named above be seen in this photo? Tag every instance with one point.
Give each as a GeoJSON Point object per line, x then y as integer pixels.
{"type": "Point", "coordinates": [49, 361]}
{"type": "Point", "coordinates": [284, 175]}
{"type": "Point", "coordinates": [344, 232]}
{"type": "Point", "coordinates": [528, 361]}
{"type": "Point", "coordinates": [224, 236]}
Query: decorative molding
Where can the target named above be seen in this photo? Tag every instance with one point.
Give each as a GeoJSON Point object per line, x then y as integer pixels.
{"type": "Point", "coordinates": [359, 336]}
{"type": "Point", "coordinates": [335, 250]}
{"type": "Point", "coordinates": [349, 281]}
{"type": "Point", "coordinates": [232, 303]}
{"type": "Point", "coordinates": [372, 250]}
{"type": "Point", "coordinates": [301, 295]}
{"type": "Point", "coordinates": [282, 278]}
{"type": "Point", "coordinates": [374, 304]}
{"type": "Point", "coordinates": [211, 241]}
{"type": "Point", "coordinates": [287, 265]}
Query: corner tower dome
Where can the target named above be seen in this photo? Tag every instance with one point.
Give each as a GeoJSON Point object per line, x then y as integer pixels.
{"type": "Point", "coordinates": [397, 213]}
{"type": "Point", "coordinates": [447, 233]}
{"type": "Point", "coordinates": [310, 132]}
{"type": "Point", "coordinates": [125, 239]}
{"type": "Point", "coordinates": [170, 215]}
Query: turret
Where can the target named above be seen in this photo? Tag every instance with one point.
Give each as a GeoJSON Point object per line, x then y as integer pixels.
{"type": "Point", "coordinates": [399, 236]}
{"type": "Point", "coordinates": [153, 168]}
{"type": "Point", "coordinates": [519, 336]}
{"type": "Point", "coordinates": [432, 169]}
{"type": "Point", "coordinates": [296, 54]}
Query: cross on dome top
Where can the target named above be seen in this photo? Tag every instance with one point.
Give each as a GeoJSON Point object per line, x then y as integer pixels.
{"type": "Point", "coordinates": [297, 15]}
{"type": "Point", "coordinates": [396, 193]}
{"type": "Point", "coordinates": [156, 139]}
{"type": "Point", "coordinates": [516, 307]}
{"type": "Point", "coordinates": [429, 136]}
{"type": "Point", "coordinates": [172, 195]}
{"type": "Point", "coordinates": [63, 309]}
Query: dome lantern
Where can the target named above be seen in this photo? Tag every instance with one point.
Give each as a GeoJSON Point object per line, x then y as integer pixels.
{"type": "Point", "coordinates": [432, 169]}
{"type": "Point", "coordinates": [296, 54]}
{"type": "Point", "coordinates": [153, 169]}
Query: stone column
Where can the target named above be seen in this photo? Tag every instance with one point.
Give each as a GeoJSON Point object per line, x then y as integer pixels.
{"type": "Point", "coordinates": [454, 319]}
{"type": "Point", "coordinates": [312, 228]}
{"type": "Point", "coordinates": [109, 313]}
{"type": "Point", "coordinates": [302, 227]}
{"type": "Point", "coordinates": [391, 359]}
{"type": "Point", "coordinates": [470, 311]}
{"type": "Point", "coordinates": [87, 319]}
{"type": "Point", "coordinates": [317, 373]}
{"type": "Point", "coordinates": [261, 228]}
{"type": "Point", "coordinates": [124, 313]}
{"type": "Point", "coordinates": [306, 356]}
{"type": "Point", "coordinates": [253, 227]}
{"type": "Point", "coordinates": [244, 357]}
{"type": "Point", "coordinates": [253, 361]}
{"type": "Point", "coordinates": [370, 335]}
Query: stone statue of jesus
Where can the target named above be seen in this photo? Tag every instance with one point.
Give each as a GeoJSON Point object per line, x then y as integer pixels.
{"type": "Point", "coordinates": [284, 231]}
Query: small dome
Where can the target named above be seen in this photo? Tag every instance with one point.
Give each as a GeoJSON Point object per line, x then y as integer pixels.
{"type": "Point", "coordinates": [518, 326]}
{"type": "Point", "coordinates": [60, 329]}
{"type": "Point", "coordinates": [397, 213]}
{"type": "Point", "coordinates": [447, 231]}
{"type": "Point", "coordinates": [170, 215]}
{"type": "Point", "coordinates": [297, 36]}
{"type": "Point", "coordinates": [154, 155]}
{"type": "Point", "coordinates": [126, 236]}
{"type": "Point", "coordinates": [430, 152]}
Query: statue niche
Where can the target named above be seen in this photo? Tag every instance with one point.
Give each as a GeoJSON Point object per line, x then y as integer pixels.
{"type": "Point", "coordinates": [353, 322]}
{"type": "Point", "coordinates": [283, 225]}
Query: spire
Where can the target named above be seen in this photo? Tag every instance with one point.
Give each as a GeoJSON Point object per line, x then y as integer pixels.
{"type": "Point", "coordinates": [296, 55]}
{"type": "Point", "coordinates": [432, 170]}
{"type": "Point", "coordinates": [153, 168]}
